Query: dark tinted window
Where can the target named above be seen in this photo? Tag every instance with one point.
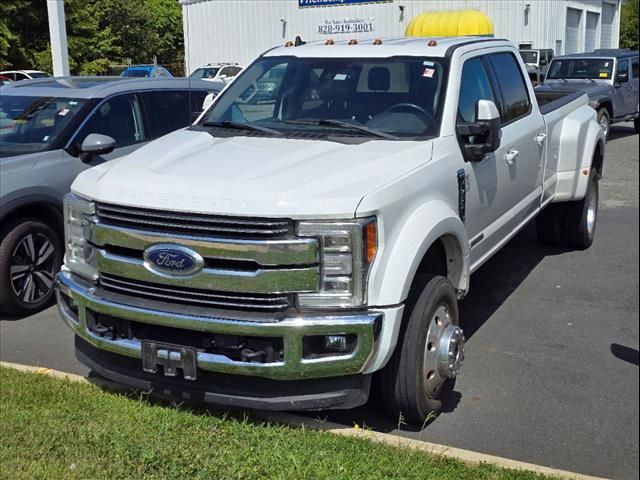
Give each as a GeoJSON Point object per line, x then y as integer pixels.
{"type": "Point", "coordinates": [623, 67]}
{"type": "Point", "coordinates": [119, 118]}
{"type": "Point", "coordinates": [634, 68]}
{"type": "Point", "coordinates": [513, 90]}
{"type": "Point", "coordinates": [474, 86]}
{"type": "Point", "coordinates": [168, 111]}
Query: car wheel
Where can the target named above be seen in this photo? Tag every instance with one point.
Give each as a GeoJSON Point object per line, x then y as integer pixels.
{"type": "Point", "coordinates": [604, 121]}
{"type": "Point", "coordinates": [30, 256]}
{"type": "Point", "coordinates": [581, 217]}
{"type": "Point", "coordinates": [422, 371]}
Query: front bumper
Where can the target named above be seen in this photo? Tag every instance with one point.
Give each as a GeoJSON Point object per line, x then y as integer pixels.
{"type": "Point", "coordinates": [87, 300]}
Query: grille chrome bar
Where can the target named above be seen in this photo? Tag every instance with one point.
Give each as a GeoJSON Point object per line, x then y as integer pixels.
{"type": "Point", "coordinates": [273, 281]}
{"type": "Point", "coordinates": [266, 252]}
{"type": "Point", "coordinates": [270, 303]}
{"type": "Point", "coordinates": [189, 223]}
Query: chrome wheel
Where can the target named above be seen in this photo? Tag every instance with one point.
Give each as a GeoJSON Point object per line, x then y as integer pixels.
{"type": "Point", "coordinates": [32, 268]}
{"type": "Point", "coordinates": [592, 214]}
{"type": "Point", "coordinates": [604, 124]}
{"type": "Point", "coordinates": [443, 353]}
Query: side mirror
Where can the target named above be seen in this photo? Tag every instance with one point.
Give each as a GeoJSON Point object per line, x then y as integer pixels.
{"type": "Point", "coordinates": [483, 135]}
{"type": "Point", "coordinates": [96, 144]}
{"type": "Point", "coordinates": [208, 100]}
{"type": "Point", "coordinates": [622, 78]}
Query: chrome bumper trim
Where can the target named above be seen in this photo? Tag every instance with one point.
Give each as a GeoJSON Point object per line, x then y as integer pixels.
{"type": "Point", "coordinates": [291, 251]}
{"type": "Point", "coordinates": [281, 280]}
{"type": "Point", "coordinates": [292, 330]}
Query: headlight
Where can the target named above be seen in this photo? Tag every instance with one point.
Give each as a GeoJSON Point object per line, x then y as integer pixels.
{"type": "Point", "coordinates": [79, 252]}
{"type": "Point", "coordinates": [347, 249]}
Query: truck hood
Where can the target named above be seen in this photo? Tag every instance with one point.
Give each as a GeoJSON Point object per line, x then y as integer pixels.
{"type": "Point", "coordinates": [590, 88]}
{"type": "Point", "coordinates": [194, 171]}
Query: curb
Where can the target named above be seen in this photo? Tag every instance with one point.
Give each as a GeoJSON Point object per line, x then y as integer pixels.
{"type": "Point", "coordinates": [466, 456]}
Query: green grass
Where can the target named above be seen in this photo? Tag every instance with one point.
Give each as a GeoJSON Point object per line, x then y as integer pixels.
{"type": "Point", "coordinates": [51, 428]}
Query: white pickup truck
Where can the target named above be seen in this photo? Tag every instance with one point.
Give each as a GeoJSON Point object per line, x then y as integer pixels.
{"type": "Point", "coordinates": [295, 242]}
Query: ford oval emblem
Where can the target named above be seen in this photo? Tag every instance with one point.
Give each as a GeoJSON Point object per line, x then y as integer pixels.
{"type": "Point", "coordinates": [172, 260]}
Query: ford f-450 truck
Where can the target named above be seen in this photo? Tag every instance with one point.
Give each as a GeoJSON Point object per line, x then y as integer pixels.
{"type": "Point", "coordinates": [292, 244]}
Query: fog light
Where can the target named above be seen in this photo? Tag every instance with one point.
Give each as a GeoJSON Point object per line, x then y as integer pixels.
{"type": "Point", "coordinates": [335, 343]}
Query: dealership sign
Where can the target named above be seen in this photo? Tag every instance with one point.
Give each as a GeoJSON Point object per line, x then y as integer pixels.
{"type": "Point", "coordinates": [324, 3]}
{"type": "Point", "coordinates": [351, 25]}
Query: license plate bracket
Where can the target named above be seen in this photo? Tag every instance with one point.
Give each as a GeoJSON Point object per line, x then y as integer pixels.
{"type": "Point", "coordinates": [170, 358]}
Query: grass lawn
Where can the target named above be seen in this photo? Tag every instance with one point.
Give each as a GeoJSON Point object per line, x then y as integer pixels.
{"type": "Point", "coordinates": [51, 428]}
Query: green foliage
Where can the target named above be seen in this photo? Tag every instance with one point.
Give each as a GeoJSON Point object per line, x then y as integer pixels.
{"type": "Point", "coordinates": [100, 33]}
{"type": "Point", "coordinates": [629, 25]}
{"type": "Point", "coordinates": [53, 429]}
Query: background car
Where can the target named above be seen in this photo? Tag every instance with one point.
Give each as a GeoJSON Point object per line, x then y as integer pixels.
{"type": "Point", "coordinates": [608, 76]}
{"type": "Point", "coordinates": [5, 80]}
{"type": "Point", "coordinates": [146, 71]}
{"type": "Point", "coordinates": [217, 71]}
{"type": "Point", "coordinates": [16, 75]}
{"type": "Point", "coordinates": [537, 62]}
{"type": "Point", "coordinates": [51, 130]}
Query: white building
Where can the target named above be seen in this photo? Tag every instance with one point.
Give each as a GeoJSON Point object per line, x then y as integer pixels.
{"type": "Point", "coordinates": [240, 30]}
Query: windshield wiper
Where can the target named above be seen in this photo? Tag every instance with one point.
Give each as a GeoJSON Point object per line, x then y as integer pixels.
{"type": "Point", "coordinates": [346, 125]}
{"type": "Point", "coordinates": [242, 126]}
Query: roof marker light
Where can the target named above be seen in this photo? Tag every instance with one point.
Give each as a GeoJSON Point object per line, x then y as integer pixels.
{"type": "Point", "coordinates": [353, 41]}
{"type": "Point", "coordinates": [432, 43]}
{"type": "Point", "coordinates": [377, 41]}
{"type": "Point", "coordinates": [330, 42]}
{"type": "Point", "coordinates": [288, 44]}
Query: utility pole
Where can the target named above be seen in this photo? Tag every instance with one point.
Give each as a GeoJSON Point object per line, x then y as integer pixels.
{"type": "Point", "coordinates": [58, 36]}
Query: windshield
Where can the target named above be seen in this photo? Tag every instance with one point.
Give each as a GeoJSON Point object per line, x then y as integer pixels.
{"type": "Point", "coordinates": [135, 73]}
{"type": "Point", "coordinates": [32, 124]}
{"type": "Point", "coordinates": [593, 68]}
{"type": "Point", "coordinates": [529, 57]}
{"type": "Point", "coordinates": [387, 98]}
{"type": "Point", "coordinates": [205, 73]}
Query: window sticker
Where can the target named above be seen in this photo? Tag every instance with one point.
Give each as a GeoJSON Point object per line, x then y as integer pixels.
{"type": "Point", "coordinates": [63, 112]}
{"type": "Point", "coordinates": [340, 76]}
{"type": "Point", "coordinates": [426, 63]}
{"type": "Point", "coordinates": [604, 75]}
{"type": "Point", "coordinates": [428, 72]}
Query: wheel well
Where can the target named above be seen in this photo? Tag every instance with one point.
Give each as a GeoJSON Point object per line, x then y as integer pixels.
{"type": "Point", "coordinates": [607, 106]}
{"type": "Point", "coordinates": [44, 212]}
{"type": "Point", "coordinates": [598, 160]}
{"type": "Point", "coordinates": [444, 257]}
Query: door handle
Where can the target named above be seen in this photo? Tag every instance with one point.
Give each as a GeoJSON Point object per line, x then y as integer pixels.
{"type": "Point", "coordinates": [540, 138]}
{"type": "Point", "coordinates": [510, 156]}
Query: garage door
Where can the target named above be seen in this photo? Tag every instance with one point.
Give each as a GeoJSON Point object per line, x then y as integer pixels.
{"type": "Point", "coordinates": [572, 33]}
{"type": "Point", "coordinates": [590, 32]}
{"type": "Point", "coordinates": [606, 30]}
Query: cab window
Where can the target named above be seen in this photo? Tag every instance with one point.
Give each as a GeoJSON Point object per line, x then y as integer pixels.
{"type": "Point", "coordinates": [118, 117]}
{"type": "Point", "coordinates": [515, 101]}
{"type": "Point", "coordinates": [474, 86]}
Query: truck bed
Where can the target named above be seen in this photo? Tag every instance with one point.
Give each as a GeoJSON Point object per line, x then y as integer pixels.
{"type": "Point", "coordinates": [550, 100]}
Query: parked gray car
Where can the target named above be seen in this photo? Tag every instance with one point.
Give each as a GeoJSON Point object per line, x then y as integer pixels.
{"type": "Point", "coordinates": [609, 77]}
{"type": "Point", "coordinates": [51, 130]}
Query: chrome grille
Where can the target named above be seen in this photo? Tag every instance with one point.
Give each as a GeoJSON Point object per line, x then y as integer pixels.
{"type": "Point", "coordinates": [199, 297]}
{"type": "Point", "coordinates": [193, 223]}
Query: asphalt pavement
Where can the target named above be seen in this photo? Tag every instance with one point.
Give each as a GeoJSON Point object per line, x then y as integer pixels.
{"type": "Point", "coordinates": [551, 372]}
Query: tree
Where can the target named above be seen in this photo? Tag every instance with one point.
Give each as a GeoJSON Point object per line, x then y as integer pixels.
{"type": "Point", "coordinates": [100, 33]}
{"type": "Point", "coordinates": [629, 25]}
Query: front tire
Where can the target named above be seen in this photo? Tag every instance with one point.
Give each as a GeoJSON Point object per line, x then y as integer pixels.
{"type": "Point", "coordinates": [422, 371]}
{"type": "Point", "coordinates": [30, 256]}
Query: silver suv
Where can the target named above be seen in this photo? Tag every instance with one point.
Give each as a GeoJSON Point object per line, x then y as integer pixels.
{"type": "Point", "coordinates": [51, 130]}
